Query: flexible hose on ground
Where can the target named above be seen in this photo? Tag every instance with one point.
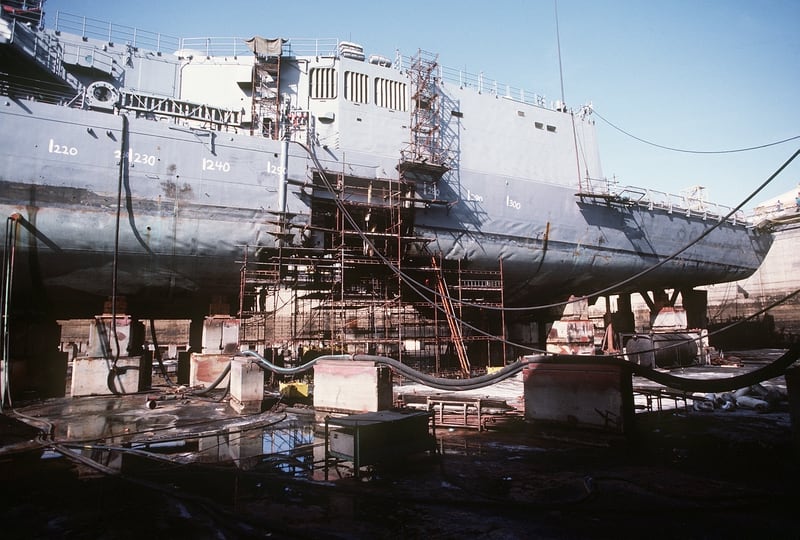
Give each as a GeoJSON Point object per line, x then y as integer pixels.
{"type": "Point", "coordinates": [216, 382]}
{"type": "Point", "coordinates": [157, 352]}
{"type": "Point", "coordinates": [452, 384]}
{"type": "Point", "coordinates": [414, 375]}
{"type": "Point", "coordinates": [269, 366]}
{"type": "Point", "coordinates": [774, 369]}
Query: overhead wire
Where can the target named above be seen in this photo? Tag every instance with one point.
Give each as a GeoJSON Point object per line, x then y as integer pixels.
{"type": "Point", "coordinates": [654, 266]}
{"type": "Point", "coordinates": [688, 151]}
{"type": "Point", "coordinates": [699, 238]}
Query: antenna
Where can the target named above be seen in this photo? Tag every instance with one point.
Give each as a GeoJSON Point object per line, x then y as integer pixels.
{"type": "Point", "coordinates": [560, 69]}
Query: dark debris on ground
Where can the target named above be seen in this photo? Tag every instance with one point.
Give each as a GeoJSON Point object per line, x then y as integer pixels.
{"type": "Point", "coordinates": [710, 475]}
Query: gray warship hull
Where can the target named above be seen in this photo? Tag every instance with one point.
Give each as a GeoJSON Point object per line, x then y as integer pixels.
{"type": "Point", "coordinates": [129, 170]}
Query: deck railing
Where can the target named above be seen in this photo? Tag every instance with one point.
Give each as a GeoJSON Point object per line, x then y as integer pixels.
{"type": "Point", "coordinates": [690, 204]}
{"type": "Point", "coordinates": [235, 46]}
{"type": "Point", "coordinates": [89, 28]}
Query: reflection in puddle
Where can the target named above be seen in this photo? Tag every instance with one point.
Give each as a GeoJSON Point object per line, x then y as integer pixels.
{"type": "Point", "coordinates": [287, 447]}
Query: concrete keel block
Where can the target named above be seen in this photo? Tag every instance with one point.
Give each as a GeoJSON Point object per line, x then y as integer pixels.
{"type": "Point", "coordinates": [580, 392]}
{"type": "Point", "coordinates": [245, 407]}
{"type": "Point", "coordinates": [247, 386]}
{"type": "Point", "coordinates": [205, 368]}
{"type": "Point", "coordinates": [90, 376]}
{"type": "Point", "coordinates": [352, 386]}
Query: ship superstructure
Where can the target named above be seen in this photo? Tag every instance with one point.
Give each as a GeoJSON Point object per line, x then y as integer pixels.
{"type": "Point", "coordinates": [198, 172]}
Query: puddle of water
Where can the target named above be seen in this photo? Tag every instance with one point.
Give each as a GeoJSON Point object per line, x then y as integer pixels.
{"type": "Point", "coordinates": [290, 447]}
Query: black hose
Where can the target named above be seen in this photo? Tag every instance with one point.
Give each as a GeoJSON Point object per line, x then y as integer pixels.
{"type": "Point", "coordinates": [774, 369]}
{"type": "Point", "coordinates": [216, 382]}
{"type": "Point", "coordinates": [157, 353]}
{"type": "Point", "coordinates": [771, 370]}
{"type": "Point", "coordinates": [408, 372]}
{"type": "Point", "coordinates": [123, 156]}
{"type": "Point", "coordinates": [113, 372]}
{"type": "Point", "coordinates": [452, 384]}
{"type": "Point", "coordinates": [266, 365]}
{"type": "Point", "coordinates": [414, 375]}
{"type": "Point", "coordinates": [123, 169]}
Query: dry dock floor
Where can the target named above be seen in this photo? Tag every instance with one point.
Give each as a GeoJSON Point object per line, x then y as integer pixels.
{"type": "Point", "coordinates": [682, 473]}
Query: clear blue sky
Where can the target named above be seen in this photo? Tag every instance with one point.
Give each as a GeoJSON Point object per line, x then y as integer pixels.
{"type": "Point", "coordinates": [702, 75]}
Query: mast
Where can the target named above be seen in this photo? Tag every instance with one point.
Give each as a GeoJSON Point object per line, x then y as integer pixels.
{"type": "Point", "coordinates": [558, 46]}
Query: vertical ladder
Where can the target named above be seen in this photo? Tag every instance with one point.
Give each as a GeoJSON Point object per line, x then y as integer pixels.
{"type": "Point", "coordinates": [455, 329]}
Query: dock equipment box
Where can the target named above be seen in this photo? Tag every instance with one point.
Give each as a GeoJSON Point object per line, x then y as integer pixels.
{"type": "Point", "coordinates": [377, 437]}
{"type": "Point", "coordinates": [581, 392]}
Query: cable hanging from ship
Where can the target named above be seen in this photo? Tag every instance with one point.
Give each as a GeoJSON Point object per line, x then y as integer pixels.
{"type": "Point", "coordinates": [416, 286]}
{"type": "Point", "coordinates": [669, 258]}
{"type": "Point", "coordinates": [109, 352]}
{"type": "Point", "coordinates": [688, 151]}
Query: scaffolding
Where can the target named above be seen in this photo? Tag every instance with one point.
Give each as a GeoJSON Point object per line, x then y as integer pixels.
{"type": "Point", "coordinates": [266, 95]}
{"type": "Point", "coordinates": [354, 276]}
{"type": "Point", "coordinates": [426, 147]}
{"type": "Point", "coordinates": [342, 302]}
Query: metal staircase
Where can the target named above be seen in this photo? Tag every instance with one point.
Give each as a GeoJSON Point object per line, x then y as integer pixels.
{"type": "Point", "coordinates": [267, 96]}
